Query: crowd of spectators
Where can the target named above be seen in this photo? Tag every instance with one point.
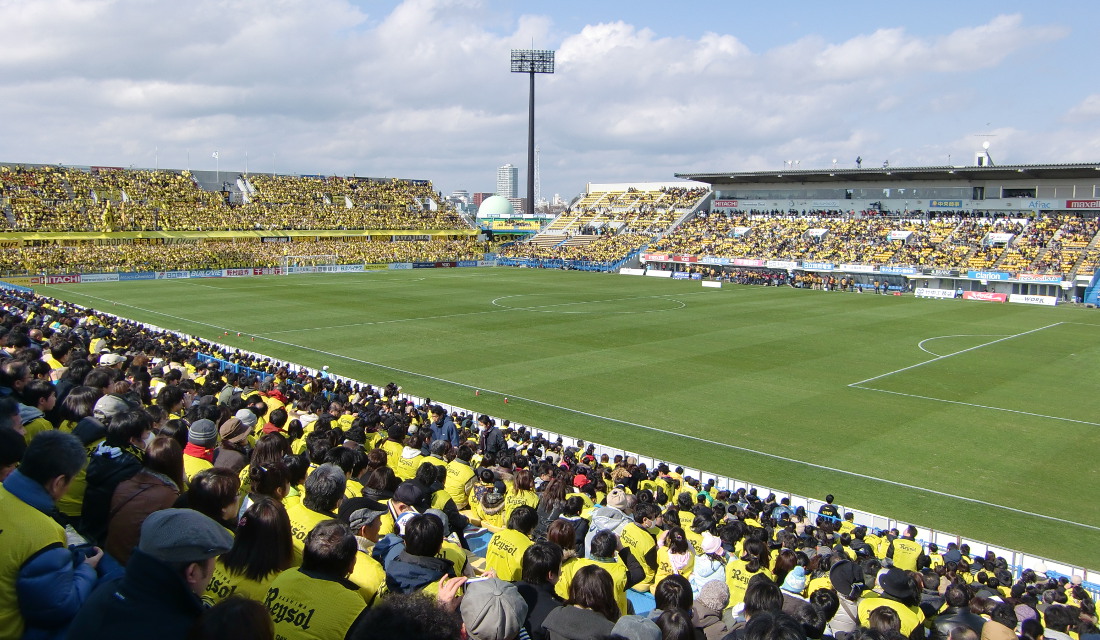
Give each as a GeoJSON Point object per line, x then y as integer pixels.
{"type": "Point", "coordinates": [604, 248]}
{"type": "Point", "coordinates": [227, 254]}
{"type": "Point", "coordinates": [1049, 244]}
{"type": "Point", "coordinates": [633, 210]}
{"type": "Point", "coordinates": [150, 493]}
{"type": "Point", "coordinates": [62, 199]}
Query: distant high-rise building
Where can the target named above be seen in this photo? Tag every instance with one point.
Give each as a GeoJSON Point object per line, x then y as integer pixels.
{"type": "Point", "coordinates": [479, 197]}
{"type": "Point", "coordinates": [507, 179]}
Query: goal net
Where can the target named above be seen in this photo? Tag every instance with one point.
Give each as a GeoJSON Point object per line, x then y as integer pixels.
{"type": "Point", "coordinates": [310, 263]}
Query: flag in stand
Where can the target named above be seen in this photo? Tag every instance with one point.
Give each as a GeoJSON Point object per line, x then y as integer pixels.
{"type": "Point", "coordinates": [214, 155]}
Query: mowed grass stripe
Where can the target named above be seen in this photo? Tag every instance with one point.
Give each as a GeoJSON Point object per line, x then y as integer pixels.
{"type": "Point", "coordinates": [760, 368]}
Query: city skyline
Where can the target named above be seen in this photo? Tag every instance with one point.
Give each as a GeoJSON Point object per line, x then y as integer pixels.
{"type": "Point", "coordinates": [421, 88]}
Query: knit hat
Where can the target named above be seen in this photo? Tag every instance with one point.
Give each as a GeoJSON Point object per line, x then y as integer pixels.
{"type": "Point", "coordinates": [233, 430]}
{"type": "Point", "coordinates": [795, 581]}
{"type": "Point", "coordinates": [183, 535]}
{"type": "Point", "coordinates": [714, 595]}
{"type": "Point", "coordinates": [203, 433]}
{"type": "Point", "coordinates": [246, 417]}
{"type": "Point", "coordinates": [712, 544]}
{"type": "Point", "coordinates": [637, 628]}
{"type": "Point", "coordinates": [493, 498]}
{"type": "Point", "coordinates": [492, 609]}
{"type": "Point", "coordinates": [619, 499]}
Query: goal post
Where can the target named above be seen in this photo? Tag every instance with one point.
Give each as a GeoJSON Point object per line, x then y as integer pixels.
{"type": "Point", "coordinates": [310, 263]}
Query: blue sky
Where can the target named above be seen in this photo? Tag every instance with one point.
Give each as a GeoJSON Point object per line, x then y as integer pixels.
{"type": "Point", "coordinates": [643, 90]}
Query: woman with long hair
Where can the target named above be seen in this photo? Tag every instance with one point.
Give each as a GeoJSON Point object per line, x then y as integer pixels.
{"type": "Point", "coordinates": [157, 486]}
{"type": "Point", "coordinates": [266, 481]}
{"type": "Point", "coordinates": [590, 611]}
{"type": "Point", "coordinates": [270, 448]}
{"type": "Point", "coordinates": [755, 559]}
{"type": "Point", "coordinates": [563, 534]}
{"type": "Point", "coordinates": [261, 550]}
{"type": "Point", "coordinates": [551, 503]}
{"type": "Point", "coordinates": [522, 492]}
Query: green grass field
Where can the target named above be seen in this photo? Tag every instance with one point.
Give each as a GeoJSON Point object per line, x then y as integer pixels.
{"type": "Point", "coordinates": [888, 402]}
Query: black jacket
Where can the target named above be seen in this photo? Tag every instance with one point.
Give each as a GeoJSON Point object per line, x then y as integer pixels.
{"type": "Point", "coordinates": [954, 617]}
{"type": "Point", "coordinates": [492, 441]}
{"type": "Point", "coordinates": [151, 600]}
{"type": "Point", "coordinates": [108, 468]}
{"type": "Point", "coordinates": [541, 600]}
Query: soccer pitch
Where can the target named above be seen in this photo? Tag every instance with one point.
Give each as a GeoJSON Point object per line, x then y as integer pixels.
{"type": "Point", "coordinates": [974, 418]}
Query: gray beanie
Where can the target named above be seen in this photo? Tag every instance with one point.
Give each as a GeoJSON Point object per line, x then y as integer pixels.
{"type": "Point", "coordinates": [203, 433]}
{"type": "Point", "coordinates": [246, 417]}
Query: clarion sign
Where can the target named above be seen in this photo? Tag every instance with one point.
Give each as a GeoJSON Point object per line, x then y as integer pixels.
{"type": "Point", "coordinates": [1083, 204]}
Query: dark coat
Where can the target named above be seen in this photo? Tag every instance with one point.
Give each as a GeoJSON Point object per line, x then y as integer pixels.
{"type": "Point", "coordinates": [229, 458]}
{"type": "Point", "coordinates": [541, 600]}
{"type": "Point", "coordinates": [954, 617]}
{"type": "Point", "coordinates": [492, 441]}
{"type": "Point", "coordinates": [572, 623]}
{"type": "Point", "coordinates": [407, 573]}
{"type": "Point", "coordinates": [134, 500]}
{"type": "Point", "coordinates": [109, 466]}
{"type": "Point", "coordinates": [151, 600]}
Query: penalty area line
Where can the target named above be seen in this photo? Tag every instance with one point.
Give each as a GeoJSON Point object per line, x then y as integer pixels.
{"type": "Point", "coordinates": [978, 406]}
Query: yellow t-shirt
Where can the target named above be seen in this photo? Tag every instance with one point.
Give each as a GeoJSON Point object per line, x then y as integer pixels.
{"type": "Point", "coordinates": [226, 583]}
{"type": "Point", "coordinates": [664, 566]}
{"type": "Point", "coordinates": [305, 607]}
{"type": "Point", "coordinates": [504, 554]}
{"type": "Point", "coordinates": [515, 498]}
{"type": "Point", "coordinates": [369, 576]}
{"type": "Point", "coordinates": [302, 521]}
{"type": "Point", "coordinates": [911, 617]}
{"type": "Point", "coordinates": [737, 579]}
{"type": "Point", "coordinates": [640, 542]}
{"type": "Point", "coordinates": [460, 477]}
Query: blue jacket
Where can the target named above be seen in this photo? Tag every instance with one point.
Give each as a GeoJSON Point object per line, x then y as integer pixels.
{"type": "Point", "coordinates": [446, 431]}
{"type": "Point", "coordinates": [54, 583]}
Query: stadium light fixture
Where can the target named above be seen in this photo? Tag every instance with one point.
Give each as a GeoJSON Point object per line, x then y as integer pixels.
{"type": "Point", "coordinates": [531, 61]}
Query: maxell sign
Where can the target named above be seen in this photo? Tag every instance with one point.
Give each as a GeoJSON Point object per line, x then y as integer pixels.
{"type": "Point", "coordinates": [1083, 204]}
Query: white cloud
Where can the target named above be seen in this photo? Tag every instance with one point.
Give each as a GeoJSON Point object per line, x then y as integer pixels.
{"type": "Point", "coordinates": [425, 90]}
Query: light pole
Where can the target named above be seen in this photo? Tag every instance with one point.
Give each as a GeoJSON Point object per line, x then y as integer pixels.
{"type": "Point", "coordinates": [531, 61]}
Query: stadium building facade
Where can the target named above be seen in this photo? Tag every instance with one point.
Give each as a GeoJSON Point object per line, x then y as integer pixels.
{"type": "Point", "coordinates": [1011, 191]}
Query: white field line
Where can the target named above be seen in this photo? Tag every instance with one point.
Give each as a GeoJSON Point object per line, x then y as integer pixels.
{"type": "Point", "coordinates": [920, 345]}
{"type": "Point", "coordinates": [937, 358]}
{"type": "Point", "coordinates": [715, 443]}
{"type": "Point", "coordinates": [499, 309]}
{"type": "Point", "coordinates": [981, 406]}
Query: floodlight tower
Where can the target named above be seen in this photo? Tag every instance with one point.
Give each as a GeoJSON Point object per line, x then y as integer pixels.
{"type": "Point", "coordinates": [531, 61]}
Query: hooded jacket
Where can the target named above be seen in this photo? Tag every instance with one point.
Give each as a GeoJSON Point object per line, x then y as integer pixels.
{"type": "Point", "coordinates": [407, 573]}
{"type": "Point", "coordinates": [108, 467]}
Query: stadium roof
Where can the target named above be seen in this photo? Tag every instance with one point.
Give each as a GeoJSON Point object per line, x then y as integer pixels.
{"type": "Point", "coordinates": [1002, 172]}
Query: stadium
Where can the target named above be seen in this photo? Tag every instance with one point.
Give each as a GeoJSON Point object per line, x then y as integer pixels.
{"type": "Point", "coordinates": [136, 242]}
{"type": "Point", "coordinates": [852, 401]}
